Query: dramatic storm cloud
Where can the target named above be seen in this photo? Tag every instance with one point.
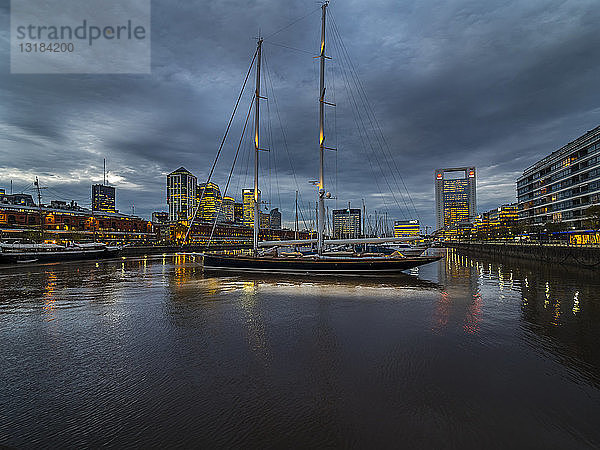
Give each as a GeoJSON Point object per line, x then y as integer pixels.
{"type": "Point", "coordinates": [494, 84]}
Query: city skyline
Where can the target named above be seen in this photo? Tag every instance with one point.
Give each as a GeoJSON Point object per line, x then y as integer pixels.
{"type": "Point", "coordinates": [442, 97]}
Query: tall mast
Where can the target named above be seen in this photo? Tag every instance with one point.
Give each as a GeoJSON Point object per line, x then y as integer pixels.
{"type": "Point", "coordinates": [256, 147]}
{"type": "Point", "coordinates": [321, 209]}
{"type": "Point", "coordinates": [39, 195]}
{"type": "Point", "coordinates": [296, 215]}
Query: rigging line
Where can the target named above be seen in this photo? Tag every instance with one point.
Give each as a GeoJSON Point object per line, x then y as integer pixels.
{"type": "Point", "coordinates": [231, 172]}
{"type": "Point", "coordinates": [220, 147]}
{"type": "Point", "coordinates": [362, 137]}
{"type": "Point", "coordinates": [376, 121]}
{"type": "Point", "coordinates": [288, 47]}
{"type": "Point", "coordinates": [272, 141]}
{"type": "Point", "coordinates": [365, 104]}
{"type": "Point", "coordinates": [360, 124]}
{"type": "Point", "coordinates": [285, 145]}
{"type": "Point", "coordinates": [292, 23]}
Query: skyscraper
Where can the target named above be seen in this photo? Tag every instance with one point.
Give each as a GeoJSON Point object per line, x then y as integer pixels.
{"type": "Point", "coordinates": [103, 198]}
{"type": "Point", "coordinates": [275, 221]}
{"type": "Point", "coordinates": [181, 194]}
{"type": "Point", "coordinates": [211, 201]}
{"type": "Point", "coordinates": [346, 223]}
{"type": "Point", "coordinates": [228, 209]}
{"type": "Point", "coordinates": [238, 212]}
{"type": "Point", "coordinates": [455, 196]}
{"type": "Point", "coordinates": [248, 201]}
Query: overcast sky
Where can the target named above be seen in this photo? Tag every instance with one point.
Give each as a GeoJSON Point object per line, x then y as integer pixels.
{"type": "Point", "coordinates": [491, 84]}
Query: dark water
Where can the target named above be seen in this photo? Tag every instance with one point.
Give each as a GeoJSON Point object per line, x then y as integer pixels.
{"type": "Point", "coordinates": [152, 353]}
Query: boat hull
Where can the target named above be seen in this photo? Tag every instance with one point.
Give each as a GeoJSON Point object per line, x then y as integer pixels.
{"type": "Point", "coordinates": [67, 255]}
{"type": "Point", "coordinates": [324, 266]}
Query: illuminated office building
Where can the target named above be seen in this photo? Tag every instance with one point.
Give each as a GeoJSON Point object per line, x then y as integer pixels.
{"type": "Point", "coordinates": [228, 210]}
{"type": "Point", "coordinates": [181, 194]}
{"type": "Point", "coordinates": [560, 187]}
{"type": "Point", "coordinates": [455, 197]}
{"type": "Point", "coordinates": [211, 201]}
{"type": "Point", "coordinates": [103, 198]}
{"type": "Point", "coordinates": [346, 223]}
{"type": "Point", "coordinates": [406, 228]}
{"type": "Point", "coordinates": [275, 221]}
{"type": "Point", "coordinates": [238, 212]}
{"type": "Point", "coordinates": [265, 220]}
{"type": "Point", "coordinates": [248, 201]}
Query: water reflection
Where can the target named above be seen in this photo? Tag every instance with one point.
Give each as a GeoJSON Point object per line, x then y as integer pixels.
{"type": "Point", "coordinates": [560, 304]}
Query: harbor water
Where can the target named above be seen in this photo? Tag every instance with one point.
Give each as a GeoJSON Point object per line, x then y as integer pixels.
{"type": "Point", "coordinates": [152, 352]}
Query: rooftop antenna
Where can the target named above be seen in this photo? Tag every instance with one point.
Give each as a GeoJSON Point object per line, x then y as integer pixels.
{"type": "Point", "coordinates": [104, 183]}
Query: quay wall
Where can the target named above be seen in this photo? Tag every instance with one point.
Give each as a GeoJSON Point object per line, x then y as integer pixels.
{"type": "Point", "coordinates": [577, 256]}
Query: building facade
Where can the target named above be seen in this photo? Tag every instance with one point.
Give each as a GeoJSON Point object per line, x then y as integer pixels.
{"type": "Point", "coordinates": [160, 217]}
{"type": "Point", "coordinates": [228, 210]}
{"type": "Point", "coordinates": [103, 198]}
{"type": "Point", "coordinates": [406, 228]}
{"type": "Point", "coordinates": [211, 201]}
{"type": "Point", "coordinates": [248, 201]}
{"type": "Point", "coordinates": [561, 186]}
{"type": "Point", "coordinates": [455, 197]}
{"type": "Point", "coordinates": [275, 219]}
{"type": "Point", "coordinates": [181, 194]}
{"type": "Point", "coordinates": [238, 213]}
{"type": "Point", "coordinates": [346, 223]}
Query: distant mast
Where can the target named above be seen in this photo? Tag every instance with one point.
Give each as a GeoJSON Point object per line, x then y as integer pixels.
{"type": "Point", "coordinates": [321, 208]}
{"type": "Point", "coordinates": [256, 147]}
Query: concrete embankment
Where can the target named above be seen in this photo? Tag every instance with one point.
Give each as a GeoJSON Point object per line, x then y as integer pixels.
{"type": "Point", "coordinates": [579, 256]}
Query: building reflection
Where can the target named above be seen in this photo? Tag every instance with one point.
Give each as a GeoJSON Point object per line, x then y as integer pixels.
{"type": "Point", "coordinates": [559, 304]}
{"type": "Point", "coordinates": [460, 302]}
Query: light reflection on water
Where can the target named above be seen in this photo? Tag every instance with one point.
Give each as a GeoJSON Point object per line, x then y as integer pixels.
{"type": "Point", "coordinates": [151, 351]}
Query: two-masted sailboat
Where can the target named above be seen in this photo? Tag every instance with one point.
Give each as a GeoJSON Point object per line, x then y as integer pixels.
{"type": "Point", "coordinates": [321, 263]}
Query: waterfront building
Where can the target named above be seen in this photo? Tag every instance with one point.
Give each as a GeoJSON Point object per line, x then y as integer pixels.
{"type": "Point", "coordinates": [211, 201]}
{"type": "Point", "coordinates": [496, 222]}
{"type": "Point", "coordinates": [17, 199]}
{"type": "Point", "coordinates": [228, 210]}
{"type": "Point", "coordinates": [561, 186]}
{"type": "Point", "coordinates": [238, 212]}
{"type": "Point", "coordinates": [70, 222]}
{"type": "Point", "coordinates": [181, 194]}
{"type": "Point", "coordinates": [455, 197]}
{"type": "Point", "coordinates": [103, 198]}
{"type": "Point", "coordinates": [275, 220]}
{"type": "Point", "coordinates": [346, 223]}
{"type": "Point", "coordinates": [406, 228]}
{"type": "Point", "coordinates": [160, 217]}
{"type": "Point", "coordinates": [248, 201]}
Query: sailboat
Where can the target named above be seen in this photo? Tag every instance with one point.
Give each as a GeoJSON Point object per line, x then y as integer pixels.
{"type": "Point", "coordinates": [319, 263]}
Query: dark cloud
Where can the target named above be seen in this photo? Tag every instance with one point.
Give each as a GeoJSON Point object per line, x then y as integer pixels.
{"type": "Point", "coordinates": [495, 84]}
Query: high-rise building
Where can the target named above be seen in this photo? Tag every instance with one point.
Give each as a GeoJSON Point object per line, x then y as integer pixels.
{"type": "Point", "coordinates": [238, 212]}
{"type": "Point", "coordinates": [103, 198]}
{"type": "Point", "coordinates": [265, 220]}
{"type": "Point", "coordinates": [346, 223]}
{"type": "Point", "coordinates": [228, 209]}
{"type": "Point", "coordinates": [181, 194]}
{"type": "Point", "coordinates": [275, 221]}
{"type": "Point", "coordinates": [406, 228]}
{"type": "Point", "coordinates": [211, 201]}
{"type": "Point", "coordinates": [248, 201]}
{"type": "Point", "coordinates": [561, 186]}
{"type": "Point", "coordinates": [455, 196]}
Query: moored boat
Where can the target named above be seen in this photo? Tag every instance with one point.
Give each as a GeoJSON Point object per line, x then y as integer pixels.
{"type": "Point", "coordinates": [323, 262]}
{"type": "Point", "coordinates": [30, 253]}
